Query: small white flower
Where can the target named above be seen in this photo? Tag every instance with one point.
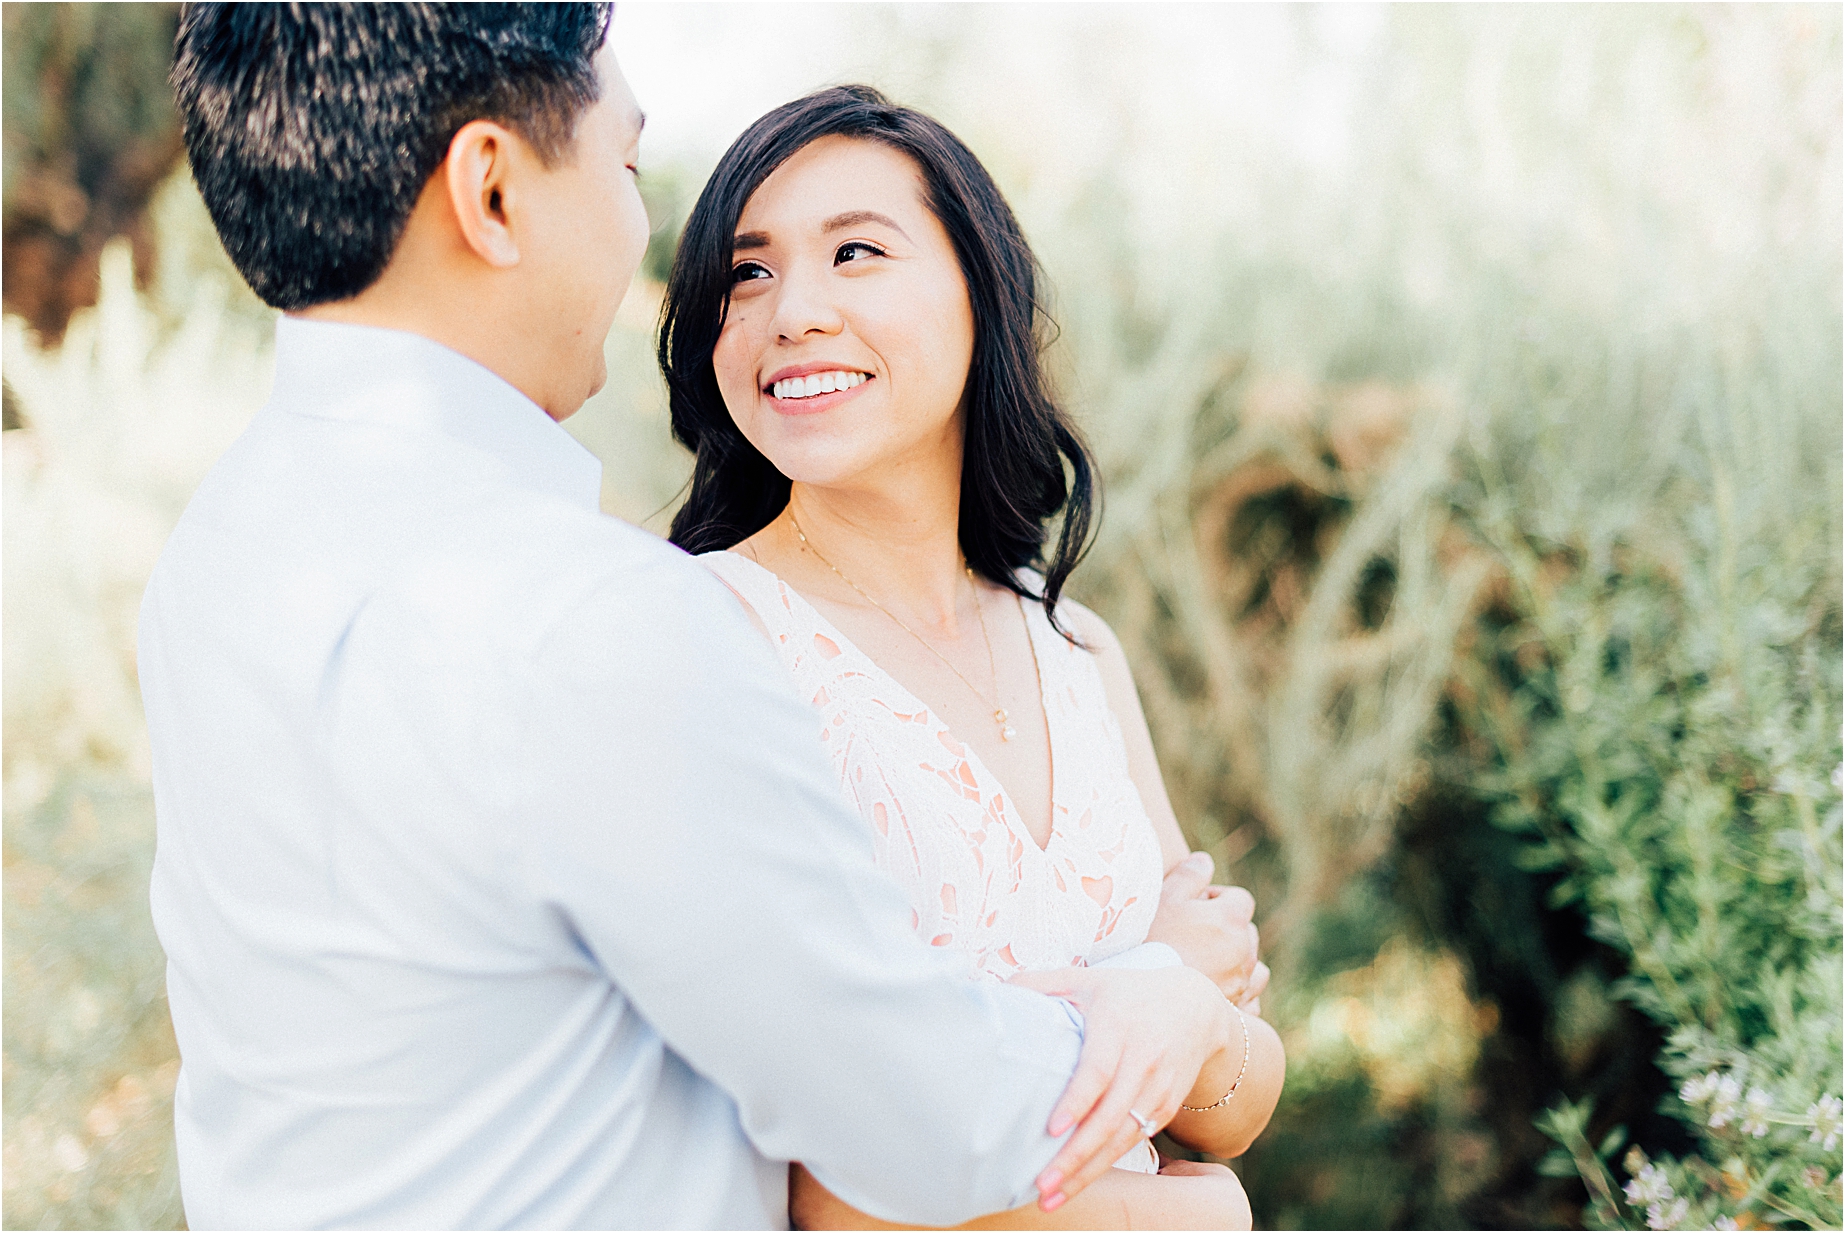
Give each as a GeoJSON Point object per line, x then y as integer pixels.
{"type": "Point", "coordinates": [1666, 1215]}
{"type": "Point", "coordinates": [1649, 1187]}
{"type": "Point", "coordinates": [1698, 1089]}
{"type": "Point", "coordinates": [1826, 1117]}
{"type": "Point", "coordinates": [1758, 1106]}
{"type": "Point", "coordinates": [1725, 1223]}
{"type": "Point", "coordinates": [1724, 1098]}
{"type": "Point", "coordinates": [1838, 776]}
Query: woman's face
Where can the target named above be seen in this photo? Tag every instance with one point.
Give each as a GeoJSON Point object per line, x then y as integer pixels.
{"type": "Point", "coordinates": [849, 335]}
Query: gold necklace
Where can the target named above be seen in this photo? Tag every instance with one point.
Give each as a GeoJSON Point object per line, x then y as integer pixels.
{"type": "Point", "coordinates": [1006, 730]}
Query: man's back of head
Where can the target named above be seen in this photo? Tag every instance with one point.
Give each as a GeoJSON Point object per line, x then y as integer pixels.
{"type": "Point", "coordinates": [454, 170]}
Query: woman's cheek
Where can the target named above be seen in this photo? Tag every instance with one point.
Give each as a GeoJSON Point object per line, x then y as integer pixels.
{"type": "Point", "coordinates": [727, 362]}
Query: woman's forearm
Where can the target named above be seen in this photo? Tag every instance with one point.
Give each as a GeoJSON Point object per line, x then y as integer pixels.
{"type": "Point", "coordinates": [1119, 1199]}
{"type": "Point", "coordinates": [1229, 1130]}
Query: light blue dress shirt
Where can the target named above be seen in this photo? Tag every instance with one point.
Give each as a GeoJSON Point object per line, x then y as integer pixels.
{"type": "Point", "coordinates": [500, 875]}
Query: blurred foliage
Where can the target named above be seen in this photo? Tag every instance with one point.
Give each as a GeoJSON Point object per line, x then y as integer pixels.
{"type": "Point", "coordinates": [668, 193]}
{"type": "Point", "coordinates": [1469, 519]}
{"type": "Point", "coordinates": [88, 1084]}
{"type": "Point", "coordinates": [90, 132]}
{"type": "Point", "coordinates": [1665, 711]}
{"type": "Point", "coordinates": [1473, 523]}
{"type": "Point", "coordinates": [121, 421]}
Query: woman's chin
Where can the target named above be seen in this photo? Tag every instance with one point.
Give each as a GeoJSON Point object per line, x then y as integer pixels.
{"type": "Point", "coordinates": [823, 468]}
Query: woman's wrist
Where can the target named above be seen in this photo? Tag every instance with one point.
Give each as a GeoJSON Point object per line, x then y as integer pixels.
{"type": "Point", "coordinates": [1224, 1054]}
{"type": "Point", "coordinates": [1221, 1062]}
{"type": "Point", "coordinates": [1228, 1130]}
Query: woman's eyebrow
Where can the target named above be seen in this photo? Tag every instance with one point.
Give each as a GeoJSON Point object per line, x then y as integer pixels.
{"type": "Point", "coordinates": [852, 218]}
{"type": "Point", "coordinates": [839, 222]}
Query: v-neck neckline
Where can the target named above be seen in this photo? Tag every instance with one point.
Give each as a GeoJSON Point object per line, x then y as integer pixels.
{"type": "Point", "coordinates": [1015, 817]}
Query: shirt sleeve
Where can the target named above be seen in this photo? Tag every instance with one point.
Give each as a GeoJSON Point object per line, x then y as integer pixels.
{"type": "Point", "coordinates": [1147, 957]}
{"type": "Point", "coordinates": [677, 809]}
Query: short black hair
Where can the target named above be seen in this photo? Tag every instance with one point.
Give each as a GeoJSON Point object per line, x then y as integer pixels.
{"type": "Point", "coordinates": [312, 128]}
{"type": "Point", "coordinates": [1020, 442]}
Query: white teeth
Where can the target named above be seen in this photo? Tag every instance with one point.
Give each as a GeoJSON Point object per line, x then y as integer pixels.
{"type": "Point", "coordinates": [819, 383]}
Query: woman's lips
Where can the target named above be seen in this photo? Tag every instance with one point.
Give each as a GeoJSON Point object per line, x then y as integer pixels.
{"type": "Point", "coordinates": [815, 403]}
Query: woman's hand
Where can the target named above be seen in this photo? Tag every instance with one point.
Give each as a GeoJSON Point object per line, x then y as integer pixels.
{"type": "Point", "coordinates": [1146, 1036]}
{"type": "Point", "coordinates": [1212, 929]}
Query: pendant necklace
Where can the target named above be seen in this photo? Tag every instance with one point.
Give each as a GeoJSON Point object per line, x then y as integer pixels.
{"type": "Point", "coordinates": [1006, 730]}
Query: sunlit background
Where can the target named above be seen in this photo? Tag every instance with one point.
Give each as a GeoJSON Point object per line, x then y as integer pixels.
{"type": "Point", "coordinates": [1467, 384]}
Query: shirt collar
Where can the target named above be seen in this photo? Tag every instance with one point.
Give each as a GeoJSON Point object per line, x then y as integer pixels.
{"type": "Point", "coordinates": [364, 374]}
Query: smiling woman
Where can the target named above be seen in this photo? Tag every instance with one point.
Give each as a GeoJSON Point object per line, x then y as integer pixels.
{"type": "Point", "coordinates": [1020, 440]}
{"type": "Point", "coordinates": [850, 340]}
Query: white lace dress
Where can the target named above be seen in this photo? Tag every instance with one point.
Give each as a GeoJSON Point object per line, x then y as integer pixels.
{"type": "Point", "coordinates": [977, 882]}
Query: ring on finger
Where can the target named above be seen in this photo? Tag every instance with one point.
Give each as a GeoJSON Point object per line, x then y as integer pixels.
{"type": "Point", "coordinates": [1148, 1127]}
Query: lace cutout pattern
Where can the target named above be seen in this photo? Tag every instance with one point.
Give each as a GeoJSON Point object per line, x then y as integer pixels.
{"type": "Point", "coordinates": [945, 830]}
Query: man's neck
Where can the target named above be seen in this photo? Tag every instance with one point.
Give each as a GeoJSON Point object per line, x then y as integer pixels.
{"type": "Point", "coordinates": [437, 320]}
{"type": "Point", "coordinates": [432, 290]}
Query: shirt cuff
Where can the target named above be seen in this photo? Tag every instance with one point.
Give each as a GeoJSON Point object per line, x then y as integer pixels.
{"type": "Point", "coordinates": [1143, 958]}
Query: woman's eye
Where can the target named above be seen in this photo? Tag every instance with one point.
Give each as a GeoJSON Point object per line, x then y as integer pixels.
{"type": "Point", "coordinates": [748, 271]}
{"type": "Point", "coordinates": [857, 250]}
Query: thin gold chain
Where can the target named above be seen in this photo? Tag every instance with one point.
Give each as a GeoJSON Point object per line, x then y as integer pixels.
{"type": "Point", "coordinates": [1225, 1099]}
{"type": "Point", "coordinates": [1006, 730]}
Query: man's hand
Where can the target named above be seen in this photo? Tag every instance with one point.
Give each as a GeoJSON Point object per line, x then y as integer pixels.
{"type": "Point", "coordinates": [1211, 928]}
{"type": "Point", "coordinates": [1146, 1035]}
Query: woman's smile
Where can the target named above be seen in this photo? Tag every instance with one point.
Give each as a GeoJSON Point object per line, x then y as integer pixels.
{"type": "Point", "coordinates": [804, 389]}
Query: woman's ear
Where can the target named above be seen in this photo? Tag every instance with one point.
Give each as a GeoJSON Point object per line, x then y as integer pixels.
{"type": "Point", "coordinates": [478, 172]}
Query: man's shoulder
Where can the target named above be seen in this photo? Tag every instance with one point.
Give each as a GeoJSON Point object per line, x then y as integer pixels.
{"type": "Point", "coordinates": [534, 564]}
{"type": "Point", "coordinates": [545, 533]}
{"type": "Point", "coordinates": [456, 570]}
{"type": "Point", "coordinates": [625, 581]}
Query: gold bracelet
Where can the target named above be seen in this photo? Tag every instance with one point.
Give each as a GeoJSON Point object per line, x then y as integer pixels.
{"type": "Point", "coordinates": [1243, 1019]}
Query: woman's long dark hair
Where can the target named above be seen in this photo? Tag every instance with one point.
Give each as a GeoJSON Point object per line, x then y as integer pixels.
{"type": "Point", "coordinates": [1018, 439]}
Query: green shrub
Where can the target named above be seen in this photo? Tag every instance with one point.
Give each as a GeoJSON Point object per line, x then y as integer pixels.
{"type": "Point", "coordinates": [1665, 713]}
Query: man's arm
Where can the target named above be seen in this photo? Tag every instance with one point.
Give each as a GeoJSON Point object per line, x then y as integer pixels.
{"type": "Point", "coordinates": [676, 807]}
{"type": "Point", "coordinates": [1183, 1196]}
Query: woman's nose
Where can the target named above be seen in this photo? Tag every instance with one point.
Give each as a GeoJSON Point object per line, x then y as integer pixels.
{"type": "Point", "coordinates": [805, 308]}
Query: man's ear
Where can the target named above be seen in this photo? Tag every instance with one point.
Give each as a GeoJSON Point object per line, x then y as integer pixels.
{"type": "Point", "coordinates": [479, 175]}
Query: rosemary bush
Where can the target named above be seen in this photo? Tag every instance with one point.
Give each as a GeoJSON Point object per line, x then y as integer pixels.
{"type": "Point", "coordinates": [1663, 706]}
